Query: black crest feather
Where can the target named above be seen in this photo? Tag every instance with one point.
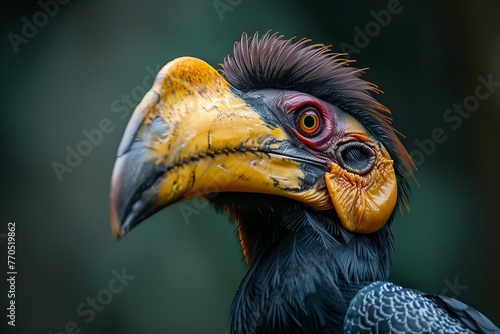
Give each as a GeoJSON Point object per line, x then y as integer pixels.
{"type": "Point", "coordinates": [271, 61]}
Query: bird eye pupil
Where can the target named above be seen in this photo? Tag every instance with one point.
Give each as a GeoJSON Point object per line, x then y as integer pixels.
{"type": "Point", "coordinates": [308, 121]}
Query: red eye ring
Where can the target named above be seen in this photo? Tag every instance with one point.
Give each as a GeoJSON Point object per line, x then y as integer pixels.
{"type": "Point", "coordinates": [308, 121]}
{"type": "Point", "coordinates": [318, 137]}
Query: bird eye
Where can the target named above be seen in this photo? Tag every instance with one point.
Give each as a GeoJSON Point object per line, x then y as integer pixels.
{"type": "Point", "coordinates": [308, 121]}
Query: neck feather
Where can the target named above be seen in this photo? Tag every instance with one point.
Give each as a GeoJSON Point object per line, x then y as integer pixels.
{"type": "Point", "coordinates": [304, 268]}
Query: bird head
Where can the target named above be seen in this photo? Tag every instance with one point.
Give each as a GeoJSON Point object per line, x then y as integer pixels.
{"type": "Point", "coordinates": [281, 119]}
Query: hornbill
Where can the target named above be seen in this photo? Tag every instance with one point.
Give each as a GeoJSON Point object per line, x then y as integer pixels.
{"type": "Point", "coordinates": [288, 140]}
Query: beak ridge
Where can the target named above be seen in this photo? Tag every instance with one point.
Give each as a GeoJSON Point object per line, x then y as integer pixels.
{"type": "Point", "coordinates": [148, 103]}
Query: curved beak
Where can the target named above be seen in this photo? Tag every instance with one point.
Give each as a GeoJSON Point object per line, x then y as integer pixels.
{"type": "Point", "coordinates": [194, 135]}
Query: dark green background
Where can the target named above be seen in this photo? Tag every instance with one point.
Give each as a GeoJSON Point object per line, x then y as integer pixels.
{"type": "Point", "coordinates": [89, 54]}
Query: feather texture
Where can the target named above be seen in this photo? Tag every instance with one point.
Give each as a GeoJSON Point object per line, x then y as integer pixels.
{"type": "Point", "coordinates": [383, 307]}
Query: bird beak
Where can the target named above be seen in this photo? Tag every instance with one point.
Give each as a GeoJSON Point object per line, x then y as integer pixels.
{"type": "Point", "coordinates": [194, 135]}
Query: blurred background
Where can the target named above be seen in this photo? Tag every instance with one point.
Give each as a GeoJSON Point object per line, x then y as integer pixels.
{"type": "Point", "coordinates": [65, 67]}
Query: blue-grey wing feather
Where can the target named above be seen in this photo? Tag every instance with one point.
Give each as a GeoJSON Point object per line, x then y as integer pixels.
{"type": "Point", "coordinates": [383, 307]}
